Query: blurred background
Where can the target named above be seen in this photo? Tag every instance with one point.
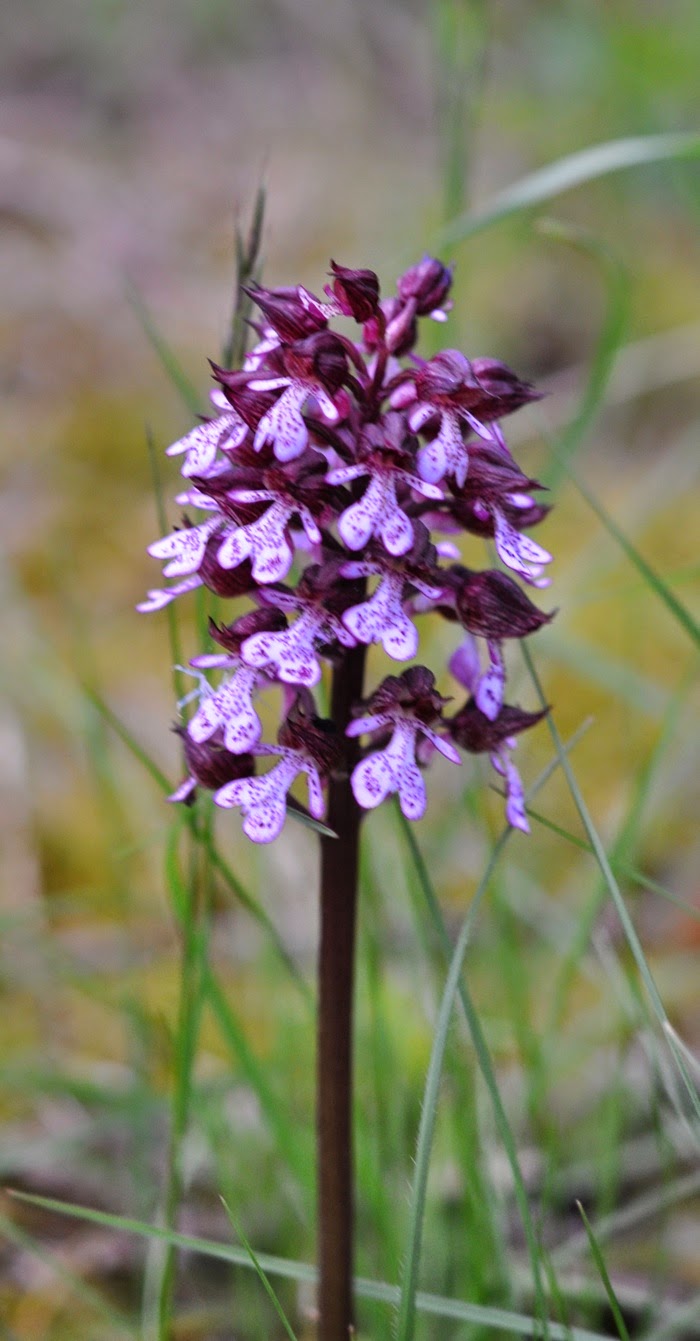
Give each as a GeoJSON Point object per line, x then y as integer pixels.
{"type": "Point", "coordinates": [134, 137]}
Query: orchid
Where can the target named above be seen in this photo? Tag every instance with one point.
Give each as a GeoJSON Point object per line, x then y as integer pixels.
{"type": "Point", "coordinates": [332, 464]}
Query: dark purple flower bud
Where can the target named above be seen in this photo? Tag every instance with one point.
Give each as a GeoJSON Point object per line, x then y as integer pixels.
{"type": "Point", "coordinates": [316, 736]}
{"type": "Point", "coordinates": [492, 605]}
{"type": "Point", "coordinates": [319, 358]}
{"type": "Point", "coordinates": [209, 765]}
{"type": "Point", "coordinates": [287, 314]}
{"type": "Point", "coordinates": [428, 283]}
{"type": "Point", "coordinates": [500, 382]}
{"type": "Point", "coordinates": [232, 636]}
{"type": "Point", "coordinates": [473, 731]}
{"type": "Point", "coordinates": [225, 582]}
{"type": "Point", "coordinates": [451, 379]}
{"type": "Point", "coordinates": [356, 291]}
{"type": "Point", "coordinates": [412, 692]}
{"type": "Point", "coordinates": [250, 405]}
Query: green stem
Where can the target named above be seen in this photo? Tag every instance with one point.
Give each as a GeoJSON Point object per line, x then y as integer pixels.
{"type": "Point", "coordinates": [339, 882]}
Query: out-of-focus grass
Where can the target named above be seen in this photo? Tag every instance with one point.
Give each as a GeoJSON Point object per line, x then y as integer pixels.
{"type": "Point", "coordinates": [139, 137]}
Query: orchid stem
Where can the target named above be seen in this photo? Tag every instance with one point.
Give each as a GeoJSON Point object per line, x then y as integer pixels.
{"type": "Point", "coordinates": [339, 878]}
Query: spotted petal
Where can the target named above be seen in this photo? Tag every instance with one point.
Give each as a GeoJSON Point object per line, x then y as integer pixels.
{"type": "Point", "coordinates": [284, 425]}
{"type": "Point", "coordinates": [382, 619]}
{"type": "Point", "coordinates": [184, 548]}
{"type": "Point", "coordinates": [291, 653]}
{"type": "Point", "coordinates": [231, 708]}
{"type": "Point", "coordinates": [518, 551]}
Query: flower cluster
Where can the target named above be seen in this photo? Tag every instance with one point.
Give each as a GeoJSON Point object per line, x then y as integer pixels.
{"type": "Point", "coordinates": [319, 489]}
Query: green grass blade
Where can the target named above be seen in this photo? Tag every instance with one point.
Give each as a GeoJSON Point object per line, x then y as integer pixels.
{"type": "Point", "coordinates": [599, 160]}
{"type": "Point", "coordinates": [455, 986]}
{"type": "Point", "coordinates": [617, 294]}
{"type": "Point", "coordinates": [641, 1208]}
{"type": "Point", "coordinates": [262, 1277]}
{"type": "Point", "coordinates": [517, 1324]}
{"type": "Point", "coordinates": [247, 268]}
{"type": "Point", "coordinates": [616, 896]}
{"type": "Point", "coordinates": [605, 1278]}
{"type": "Point", "coordinates": [168, 360]}
{"type": "Point", "coordinates": [650, 576]}
{"type": "Point", "coordinates": [239, 1047]}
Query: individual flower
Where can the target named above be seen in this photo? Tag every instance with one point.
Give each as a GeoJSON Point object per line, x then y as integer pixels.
{"type": "Point", "coordinates": [313, 369]}
{"type": "Point", "coordinates": [385, 456]}
{"type": "Point", "coordinates": [497, 500]}
{"type": "Point", "coordinates": [202, 443]}
{"type": "Point", "coordinates": [382, 617]}
{"type": "Point", "coordinates": [292, 654]}
{"type": "Point", "coordinates": [472, 730]}
{"type": "Point", "coordinates": [228, 709]}
{"type": "Point", "coordinates": [410, 705]}
{"type": "Point", "coordinates": [300, 491]}
{"type": "Point", "coordinates": [307, 744]}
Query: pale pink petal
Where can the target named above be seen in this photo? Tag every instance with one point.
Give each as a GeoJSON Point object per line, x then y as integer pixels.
{"type": "Point", "coordinates": [272, 553]}
{"type": "Point", "coordinates": [515, 796]}
{"type": "Point", "coordinates": [242, 726]}
{"type": "Point", "coordinates": [420, 415]}
{"type": "Point", "coordinates": [309, 524]}
{"type": "Point", "coordinates": [284, 425]}
{"type": "Point", "coordinates": [372, 780]}
{"type": "Point", "coordinates": [290, 652]}
{"type": "Point", "coordinates": [262, 800]}
{"type": "Point", "coordinates": [358, 523]}
{"type": "Point", "coordinates": [206, 719]}
{"type": "Point", "coordinates": [444, 746]}
{"type": "Point", "coordinates": [343, 474]}
{"type": "Point", "coordinates": [361, 726]}
{"type": "Point", "coordinates": [328, 409]}
{"type": "Point", "coordinates": [316, 802]}
{"type": "Point", "coordinates": [269, 383]}
{"type": "Point", "coordinates": [158, 598]}
{"type": "Point", "coordinates": [420, 486]}
{"type": "Point", "coordinates": [432, 461]}
{"type": "Point", "coordinates": [397, 532]}
{"type": "Point", "coordinates": [209, 660]}
{"type": "Point", "coordinates": [464, 664]}
{"type": "Point", "coordinates": [411, 789]}
{"type": "Point", "coordinates": [184, 791]}
{"type": "Point", "coordinates": [184, 548]}
{"type": "Point", "coordinates": [235, 548]}
{"type": "Point", "coordinates": [250, 495]}
{"type": "Point", "coordinates": [489, 691]}
{"type": "Point", "coordinates": [518, 551]}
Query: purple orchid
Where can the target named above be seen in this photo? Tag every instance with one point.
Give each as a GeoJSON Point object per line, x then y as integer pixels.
{"type": "Point", "coordinates": [331, 464]}
{"type": "Point", "coordinates": [409, 705]}
{"type": "Point", "coordinates": [385, 457]}
{"type": "Point", "coordinates": [307, 744]}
